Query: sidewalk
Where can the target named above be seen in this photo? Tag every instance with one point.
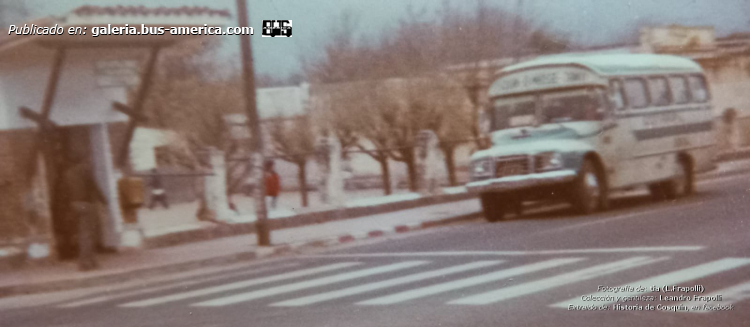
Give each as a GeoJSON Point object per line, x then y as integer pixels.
{"type": "Point", "coordinates": [182, 216]}
{"type": "Point", "coordinates": [179, 225]}
{"type": "Point", "coordinates": [138, 264]}
{"type": "Point", "coordinates": [134, 264]}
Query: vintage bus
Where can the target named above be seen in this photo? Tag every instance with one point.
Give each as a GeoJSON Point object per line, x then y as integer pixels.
{"type": "Point", "coordinates": [578, 127]}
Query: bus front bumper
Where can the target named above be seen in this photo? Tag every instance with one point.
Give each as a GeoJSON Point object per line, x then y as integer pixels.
{"type": "Point", "coordinates": [518, 182]}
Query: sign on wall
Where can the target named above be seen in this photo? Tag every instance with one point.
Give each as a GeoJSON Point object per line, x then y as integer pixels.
{"type": "Point", "coordinates": [116, 73]}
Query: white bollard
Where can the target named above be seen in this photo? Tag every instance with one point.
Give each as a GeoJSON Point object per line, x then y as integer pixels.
{"type": "Point", "coordinates": [428, 159]}
{"type": "Point", "coordinates": [331, 182]}
{"type": "Point", "coordinates": [335, 182]}
{"type": "Point", "coordinates": [215, 190]}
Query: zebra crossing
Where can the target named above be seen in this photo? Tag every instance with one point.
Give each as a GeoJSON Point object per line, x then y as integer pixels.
{"type": "Point", "coordinates": [464, 282]}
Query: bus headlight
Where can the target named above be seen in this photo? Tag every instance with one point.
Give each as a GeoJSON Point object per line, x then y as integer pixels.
{"type": "Point", "coordinates": [481, 168]}
{"type": "Point", "coordinates": [548, 161]}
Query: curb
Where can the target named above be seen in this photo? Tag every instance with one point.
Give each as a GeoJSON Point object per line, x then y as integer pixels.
{"type": "Point", "coordinates": [734, 155]}
{"type": "Point", "coordinates": [377, 233]}
{"type": "Point", "coordinates": [255, 254]}
{"type": "Point", "coordinates": [311, 218]}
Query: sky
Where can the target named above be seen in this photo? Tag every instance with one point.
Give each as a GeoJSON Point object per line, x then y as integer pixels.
{"type": "Point", "coordinates": [588, 22]}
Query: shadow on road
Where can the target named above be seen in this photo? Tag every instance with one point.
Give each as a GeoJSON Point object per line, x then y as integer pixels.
{"type": "Point", "coordinates": [560, 210]}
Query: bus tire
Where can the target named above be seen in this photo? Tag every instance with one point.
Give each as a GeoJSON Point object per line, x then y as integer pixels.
{"type": "Point", "coordinates": [493, 208]}
{"type": "Point", "coordinates": [657, 191]}
{"type": "Point", "coordinates": [683, 184]}
{"type": "Point", "coordinates": [689, 175]}
{"type": "Point", "coordinates": [588, 189]}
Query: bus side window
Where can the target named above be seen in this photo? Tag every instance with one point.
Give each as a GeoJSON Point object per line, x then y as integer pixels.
{"type": "Point", "coordinates": [698, 88]}
{"type": "Point", "coordinates": [659, 91]}
{"type": "Point", "coordinates": [680, 89]}
{"type": "Point", "coordinates": [615, 94]}
{"type": "Point", "coordinates": [635, 93]}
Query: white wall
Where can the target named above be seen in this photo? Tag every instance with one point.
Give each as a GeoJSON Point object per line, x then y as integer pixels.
{"type": "Point", "coordinates": [677, 36]}
{"type": "Point", "coordinates": [23, 81]}
{"type": "Point", "coordinates": [730, 83]}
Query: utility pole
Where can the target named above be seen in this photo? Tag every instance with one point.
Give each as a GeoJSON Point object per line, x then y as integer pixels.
{"type": "Point", "coordinates": [253, 123]}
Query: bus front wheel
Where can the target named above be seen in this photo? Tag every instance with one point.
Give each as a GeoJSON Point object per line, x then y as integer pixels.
{"type": "Point", "coordinates": [588, 190]}
{"type": "Point", "coordinates": [493, 207]}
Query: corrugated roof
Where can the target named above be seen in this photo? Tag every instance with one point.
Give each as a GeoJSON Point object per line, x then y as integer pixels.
{"type": "Point", "coordinates": [145, 11]}
{"type": "Point", "coordinates": [7, 39]}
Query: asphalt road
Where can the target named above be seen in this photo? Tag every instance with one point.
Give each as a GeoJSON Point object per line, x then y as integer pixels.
{"type": "Point", "coordinates": [522, 272]}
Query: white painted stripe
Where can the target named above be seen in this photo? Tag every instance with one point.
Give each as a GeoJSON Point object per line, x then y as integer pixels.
{"type": "Point", "coordinates": [241, 284]}
{"type": "Point", "coordinates": [555, 281]}
{"type": "Point", "coordinates": [729, 295]}
{"type": "Point", "coordinates": [467, 282]}
{"type": "Point", "coordinates": [384, 284]}
{"type": "Point", "coordinates": [672, 278]}
{"type": "Point", "coordinates": [642, 214]}
{"type": "Point", "coordinates": [248, 296]}
{"type": "Point", "coordinates": [198, 280]}
{"type": "Point", "coordinates": [513, 253]}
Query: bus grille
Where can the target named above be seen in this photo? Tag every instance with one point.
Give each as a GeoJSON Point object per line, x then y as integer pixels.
{"type": "Point", "coordinates": [511, 166]}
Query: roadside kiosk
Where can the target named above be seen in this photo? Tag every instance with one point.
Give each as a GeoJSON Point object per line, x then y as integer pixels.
{"type": "Point", "coordinates": [59, 93]}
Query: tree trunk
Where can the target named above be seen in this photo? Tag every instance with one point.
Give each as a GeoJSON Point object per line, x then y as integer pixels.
{"type": "Point", "coordinates": [302, 179]}
{"type": "Point", "coordinates": [411, 168]}
{"type": "Point", "coordinates": [450, 164]}
{"type": "Point", "coordinates": [385, 176]}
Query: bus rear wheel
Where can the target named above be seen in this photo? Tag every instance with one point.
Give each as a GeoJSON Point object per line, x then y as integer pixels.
{"type": "Point", "coordinates": [682, 184]}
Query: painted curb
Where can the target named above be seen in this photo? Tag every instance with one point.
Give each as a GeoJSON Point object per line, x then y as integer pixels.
{"type": "Point", "coordinates": [318, 217]}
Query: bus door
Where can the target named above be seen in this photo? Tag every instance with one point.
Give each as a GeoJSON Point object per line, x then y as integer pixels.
{"type": "Point", "coordinates": [616, 142]}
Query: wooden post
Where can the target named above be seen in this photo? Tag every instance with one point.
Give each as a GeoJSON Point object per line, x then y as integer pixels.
{"type": "Point", "coordinates": [253, 123]}
{"type": "Point", "coordinates": [137, 107]}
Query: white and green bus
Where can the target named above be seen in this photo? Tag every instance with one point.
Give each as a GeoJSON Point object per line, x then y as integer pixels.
{"type": "Point", "coordinates": [578, 127]}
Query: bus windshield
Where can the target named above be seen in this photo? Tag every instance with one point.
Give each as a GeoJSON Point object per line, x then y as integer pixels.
{"type": "Point", "coordinates": [546, 108]}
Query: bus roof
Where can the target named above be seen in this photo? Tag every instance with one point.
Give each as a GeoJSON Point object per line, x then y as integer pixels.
{"type": "Point", "coordinates": [614, 64]}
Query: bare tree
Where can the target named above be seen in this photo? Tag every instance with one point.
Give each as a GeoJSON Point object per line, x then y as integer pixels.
{"type": "Point", "coordinates": [368, 104]}
{"type": "Point", "coordinates": [420, 46]}
{"type": "Point", "coordinates": [293, 141]}
{"type": "Point", "coordinates": [186, 99]}
{"type": "Point", "coordinates": [450, 118]}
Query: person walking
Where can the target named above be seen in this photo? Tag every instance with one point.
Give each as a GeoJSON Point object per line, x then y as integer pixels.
{"type": "Point", "coordinates": [272, 183]}
{"type": "Point", "coordinates": [83, 195]}
{"type": "Point", "coordinates": [158, 194]}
